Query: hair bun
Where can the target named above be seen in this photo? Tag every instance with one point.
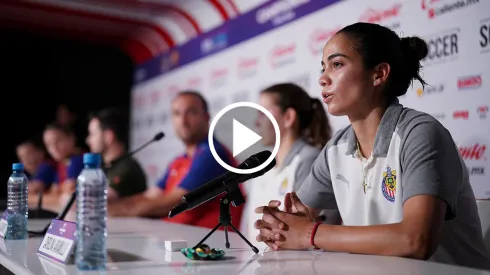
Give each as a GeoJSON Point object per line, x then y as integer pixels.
{"type": "Point", "coordinates": [414, 47]}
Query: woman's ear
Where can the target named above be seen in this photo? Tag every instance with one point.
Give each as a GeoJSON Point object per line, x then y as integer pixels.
{"type": "Point", "coordinates": [381, 74]}
{"type": "Point", "coordinates": [289, 117]}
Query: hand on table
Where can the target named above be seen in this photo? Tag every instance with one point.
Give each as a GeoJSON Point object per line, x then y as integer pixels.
{"type": "Point", "coordinates": [126, 207]}
{"type": "Point", "coordinates": [288, 229]}
{"type": "Point", "coordinates": [118, 209]}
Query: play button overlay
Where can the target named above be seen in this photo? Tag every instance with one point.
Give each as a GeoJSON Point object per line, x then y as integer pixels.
{"type": "Point", "coordinates": [235, 128]}
{"type": "Point", "coordinates": [242, 137]}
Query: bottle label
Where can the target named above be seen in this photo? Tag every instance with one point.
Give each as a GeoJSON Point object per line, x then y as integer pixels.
{"type": "Point", "coordinates": [3, 224]}
{"type": "Point", "coordinates": [59, 241]}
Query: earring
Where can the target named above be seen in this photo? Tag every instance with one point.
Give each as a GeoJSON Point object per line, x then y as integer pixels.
{"type": "Point", "coordinates": [375, 82]}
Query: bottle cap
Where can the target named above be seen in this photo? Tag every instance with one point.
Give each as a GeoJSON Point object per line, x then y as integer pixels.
{"type": "Point", "coordinates": [18, 166]}
{"type": "Point", "coordinates": [91, 158]}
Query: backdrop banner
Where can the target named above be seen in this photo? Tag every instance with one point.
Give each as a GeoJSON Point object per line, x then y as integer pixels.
{"type": "Point", "coordinates": [283, 40]}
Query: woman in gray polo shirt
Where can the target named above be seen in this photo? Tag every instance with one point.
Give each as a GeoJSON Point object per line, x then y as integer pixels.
{"type": "Point", "coordinates": [304, 129]}
{"type": "Point", "coordinates": [394, 174]}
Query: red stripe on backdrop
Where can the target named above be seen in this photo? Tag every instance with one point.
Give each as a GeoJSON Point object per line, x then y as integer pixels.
{"type": "Point", "coordinates": [219, 7]}
{"type": "Point", "coordinates": [36, 6]}
{"type": "Point", "coordinates": [154, 7]}
{"type": "Point", "coordinates": [138, 52]}
{"type": "Point", "coordinates": [233, 6]}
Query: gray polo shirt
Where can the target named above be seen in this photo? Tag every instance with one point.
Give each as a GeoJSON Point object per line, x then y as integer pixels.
{"type": "Point", "coordinates": [413, 155]}
{"type": "Point", "coordinates": [274, 184]}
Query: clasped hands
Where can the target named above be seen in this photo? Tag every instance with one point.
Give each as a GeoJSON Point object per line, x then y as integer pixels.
{"type": "Point", "coordinates": [286, 229]}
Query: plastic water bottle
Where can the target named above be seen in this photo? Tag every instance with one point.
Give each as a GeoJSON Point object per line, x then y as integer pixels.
{"type": "Point", "coordinates": [91, 252]}
{"type": "Point", "coordinates": [17, 209]}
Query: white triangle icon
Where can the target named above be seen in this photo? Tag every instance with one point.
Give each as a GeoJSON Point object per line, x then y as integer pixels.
{"type": "Point", "coordinates": [243, 138]}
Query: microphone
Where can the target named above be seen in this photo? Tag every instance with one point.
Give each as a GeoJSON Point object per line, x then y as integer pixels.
{"type": "Point", "coordinates": [70, 202]}
{"type": "Point", "coordinates": [157, 137]}
{"type": "Point", "coordinates": [227, 182]}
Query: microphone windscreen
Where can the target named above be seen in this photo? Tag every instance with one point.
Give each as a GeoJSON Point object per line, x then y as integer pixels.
{"type": "Point", "coordinates": [159, 136]}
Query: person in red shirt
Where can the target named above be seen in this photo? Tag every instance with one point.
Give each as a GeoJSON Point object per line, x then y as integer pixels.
{"type": "Point", "coordinates": [60, 142]}
{"type": "Point", "coordinates": [185, 173]}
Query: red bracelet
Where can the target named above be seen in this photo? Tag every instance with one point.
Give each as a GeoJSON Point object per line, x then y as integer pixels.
{"type": "Point", "coordinates": [312, 237]}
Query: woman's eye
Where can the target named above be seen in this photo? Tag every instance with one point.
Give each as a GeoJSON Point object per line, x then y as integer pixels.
{"type": "Point", "coordinates": [336, 65]}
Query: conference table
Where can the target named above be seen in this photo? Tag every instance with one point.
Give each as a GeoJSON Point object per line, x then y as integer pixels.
{"type": "Point", "coordinates": [136, 246]}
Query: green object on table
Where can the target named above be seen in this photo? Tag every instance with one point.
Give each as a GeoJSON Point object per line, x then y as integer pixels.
{"type": "Point", "coordinates": [203, 252]}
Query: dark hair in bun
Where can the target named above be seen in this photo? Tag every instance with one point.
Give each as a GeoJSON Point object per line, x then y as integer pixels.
{"type": "Point", "coordinates": [377, 44]}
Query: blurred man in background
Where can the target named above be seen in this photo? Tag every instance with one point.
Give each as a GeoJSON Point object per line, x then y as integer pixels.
{"type": "Point", "coordinates": [60, 142]}
{"type": "Point", "coordinates": [107, 135]}
{"type": "Point", "coordinates": [190, 118]}
{"type": "Point", "coordinates": [40, 168]}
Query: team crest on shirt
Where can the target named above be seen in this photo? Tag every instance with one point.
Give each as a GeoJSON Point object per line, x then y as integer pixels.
{"type": "Point", "coordinates": [284, 187]}
{"type": "Point", "coordinates": [388, 186]}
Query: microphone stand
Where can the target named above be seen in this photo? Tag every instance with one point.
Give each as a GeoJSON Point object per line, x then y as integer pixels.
{"type": "Point", "coordinates": [235, 197]}
{"type": "Point", "coordinates": [61, 216]}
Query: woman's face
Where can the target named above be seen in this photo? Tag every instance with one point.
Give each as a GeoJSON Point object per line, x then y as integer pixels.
{"type": "Point", "coordinates": [347, 86]}
{"type": "Point", "coordinates": [264, 126]}
{"type": "Point", "coordinates": [58, 144]}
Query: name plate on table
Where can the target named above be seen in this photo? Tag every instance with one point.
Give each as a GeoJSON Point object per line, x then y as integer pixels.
{"type": "Point", "coordinates": [59, 241]}
{"type": "Point", "coordinates": [4, 224]}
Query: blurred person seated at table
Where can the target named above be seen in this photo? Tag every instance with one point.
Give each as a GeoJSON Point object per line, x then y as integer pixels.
{"type": "Point", "coordinates": [66, 116]}
{"type": "Point", "coordinates": [107, 135]}
{"type": "Point", "coordinates": [190, 118]}
{"type": "Point", "coordinates": [304, 129]}
{"type": "Point", "coordinates": [395, 174]}
{"type": "Point", "coordinates": [60, 142]}
{"type": "Point", "coordinates": [41, 170]}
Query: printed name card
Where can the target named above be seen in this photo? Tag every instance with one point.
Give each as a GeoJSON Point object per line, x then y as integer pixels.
{"type": "Point", "coordinates": [59, 241]}
{"type": "Point", "coordinates": [3, 224]}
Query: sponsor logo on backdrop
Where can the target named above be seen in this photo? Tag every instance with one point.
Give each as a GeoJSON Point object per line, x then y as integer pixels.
{"type": "Point", "coordinates": [173, 90]}
{"type": "Point", "coordinates": [302, 80]}
{"type": "Point", "coordinates": [469, 82]}
{"type": "Point", "coordinates": [163, 118]}
{"type": "Point", "coordinates": [152, 170]}
{"type": "Point", "coordinates": [430, 89]}
{"type": "Point", "coordinates": [219, 77]}
{"type": "Point", "coordinates": [485, 35]}
{"type": "Point", "coordinates": [240, 97]}
{"type": "Point", "coordinates": [439, 116]}
{"type": "Point", "coordinates": [140, 100]}
{"type": "Point", "coordinates": [283, 55]}
{"type": "Point", "coordinates": [461, 114]}
{"type": "Point", "coordinates": [482, 111]}
{"type": "Point", "coordinates": [279, 12]}
{"type": "Point", "coordinates": [194, 82]}
{"type": "Point", "coordinates": [216, 104]}
{"type": "Point", "coordinates": [443, 47]}
{"type": "Point", "coordinates": [169, 61]}
{"type": "Point", "coordinates": [214, 43]}
{"type": "Point", "coordinates": [150, 120]}
{"type": "Point", "coordinates": [319, 37]}
{"type": "Point", "coordinates": [437, 8]}
{"type": "Point", "coordinates": [380, 16]}
{"type": "Point", "coordinates": [154, 97]}
{"type": "Point", "coordinates": [247, 67]}
{"type": "Point", "coordinates": [136, 123]}
{"type": "Point", "coordinates": [474, 154]}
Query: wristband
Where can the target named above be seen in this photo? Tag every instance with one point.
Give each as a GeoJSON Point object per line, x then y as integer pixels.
{"type": "Point", "coordinates": [312, 237]}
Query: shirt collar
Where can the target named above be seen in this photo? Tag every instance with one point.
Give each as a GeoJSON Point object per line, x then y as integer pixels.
{"type": "Point", "coordinates": [204, 142]}
{"type": "Point", "coordinates": [384, 133]}
{"type": "Point", "coordinates": [295, 149]}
